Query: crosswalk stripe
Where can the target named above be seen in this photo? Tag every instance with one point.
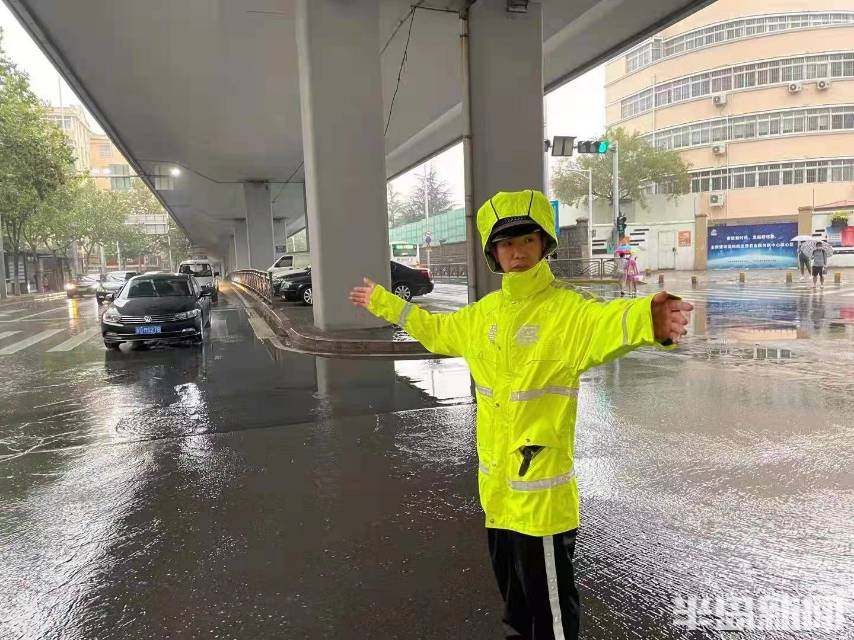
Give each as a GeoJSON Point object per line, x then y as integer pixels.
{"type": "Point", "coordinates": [28, 342]}
{"type": "Point", "coordinates": [6, 334]}
{"type": "Point", "coordinates": [76, 340]}
{"type": "Point", "coordinates": [41, 313]}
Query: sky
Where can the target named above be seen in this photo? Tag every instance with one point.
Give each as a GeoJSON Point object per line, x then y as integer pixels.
{"type": "Point", "coordinates": [575, 109]}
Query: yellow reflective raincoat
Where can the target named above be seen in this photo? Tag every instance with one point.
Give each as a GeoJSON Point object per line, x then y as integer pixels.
{"type": "Point", "coordinates": [526, 346]}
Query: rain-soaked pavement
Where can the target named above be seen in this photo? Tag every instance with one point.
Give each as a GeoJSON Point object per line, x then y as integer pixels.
{"type": "Point", "coordinates": [235, 490]}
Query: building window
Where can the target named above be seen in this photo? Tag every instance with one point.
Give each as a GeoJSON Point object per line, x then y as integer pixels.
{"type": "Point", "coordinates": [120, 179]}
{"type": "Point", "coordinates": [105, 150]}
{"type": "Point", "coordinates": [709, 36]}
{"type": "Point", "coordinates": [769, 175]}
{"type": "Point", "coordinates": [840, 65]}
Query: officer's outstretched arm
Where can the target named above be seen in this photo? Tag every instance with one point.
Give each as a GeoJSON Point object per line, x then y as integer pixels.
{"type": "Point", "coordinates": [603, 331]}
{"type": "Point", "coordinates": [445, 333]}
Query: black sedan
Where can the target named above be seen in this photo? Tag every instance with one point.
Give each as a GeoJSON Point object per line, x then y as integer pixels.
{"type": "Point", "coordinates": [111, 283]}
{"type": "Point", "coordinates": [156, 307]}
{"type": "Point", "coordinates": [406, 282]}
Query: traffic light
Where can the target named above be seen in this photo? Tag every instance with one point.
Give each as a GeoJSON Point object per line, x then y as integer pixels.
{"type": "Point", "coordinates": [621, 225]}
{"type": "Point", "coordinates": [593, 146]}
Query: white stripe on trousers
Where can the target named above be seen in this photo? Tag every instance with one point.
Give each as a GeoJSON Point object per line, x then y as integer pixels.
{"type": "Point", "coordinates": [551, 579]}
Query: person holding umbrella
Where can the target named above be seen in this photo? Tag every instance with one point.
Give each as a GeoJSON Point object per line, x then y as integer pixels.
{"type": "Point", "coordinates": [820, 255]}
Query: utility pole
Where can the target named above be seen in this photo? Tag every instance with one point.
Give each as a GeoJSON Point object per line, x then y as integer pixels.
{"type": "Point", "coordinates": [427, 206]}
{"type": "Point", "coordinates": [615, 189]}
{"type": "Point", "coordinates": [2, 263]}
{"type": "Point", "coordinates": [119, 255]}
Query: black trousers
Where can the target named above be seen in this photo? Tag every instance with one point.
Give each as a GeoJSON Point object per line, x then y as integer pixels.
{"type": "Point", "coordinates": [537, 582]}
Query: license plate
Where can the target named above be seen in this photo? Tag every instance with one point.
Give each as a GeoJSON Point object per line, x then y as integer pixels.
{"type": "Point", "coordinates": [147, 330]}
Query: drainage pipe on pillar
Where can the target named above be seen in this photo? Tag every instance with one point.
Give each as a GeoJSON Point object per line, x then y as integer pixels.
{"type": "Point", "coordinates": [471, 222]}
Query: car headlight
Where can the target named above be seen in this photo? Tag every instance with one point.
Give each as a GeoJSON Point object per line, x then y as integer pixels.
{"type": "Point", "coordinates": [186, 315]}
{"type": "Point", "coordinates": [70, 286]}
{"type": "Point", "coordinates": [112, 315]}
{"type": "Point", "coordinates": [285, 283]}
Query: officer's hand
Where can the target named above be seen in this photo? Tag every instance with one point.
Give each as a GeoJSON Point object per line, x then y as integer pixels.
{"type": "Point", "coordinates": [669, 317]}
{"type": "Point", "coordinates": [361, 296]}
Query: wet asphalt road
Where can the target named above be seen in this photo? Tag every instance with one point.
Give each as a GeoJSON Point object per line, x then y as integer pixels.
{"type": "Point", "coordinates": [235, 490]}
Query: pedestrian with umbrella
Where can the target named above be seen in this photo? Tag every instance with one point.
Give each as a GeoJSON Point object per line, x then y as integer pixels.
{"type": "Point", "coordinates": [803, 257]}
{"type": "Point", "coordinates": [820, 253]}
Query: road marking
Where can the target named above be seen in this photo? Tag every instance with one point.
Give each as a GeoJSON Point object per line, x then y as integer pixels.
{"type": "Point", "coordinates": [76, 340]}
{"type": "Point", "coordinates": [6, 334]}
{"type": "Point", "coordinates": [33, 315]}
{"type": "Point", "coordinates": [28, 342]}
{"type": "Point", "coordinates": [260, 328]}
{"type": "Point", "coordinates": [219, 326]}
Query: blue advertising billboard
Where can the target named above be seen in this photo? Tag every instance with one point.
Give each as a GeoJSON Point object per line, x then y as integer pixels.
{"type": "Point", "coordinates": [753, 246]}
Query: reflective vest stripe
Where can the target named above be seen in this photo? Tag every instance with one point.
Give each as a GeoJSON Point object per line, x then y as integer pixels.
{"type": "Point", "coordinates": [531, 394]}
{"type": "Point", "coordinates": [404, 314]}
{"type": "Point", "coordinates": [483, 468]}
{"type": "Point", "coordinates": [548, 483]}
{"type": "Point", "coordinates": [484, 391]}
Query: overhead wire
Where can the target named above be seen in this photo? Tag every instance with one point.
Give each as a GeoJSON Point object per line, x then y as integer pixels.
{"type": "Point", "coordinates": [400, 70]}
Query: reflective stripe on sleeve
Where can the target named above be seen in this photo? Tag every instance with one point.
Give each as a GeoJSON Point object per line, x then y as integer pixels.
{"type": "Point", "coordinates": [548, 483]}
{"type": "Point", "coordinates": [531, 394]}
{"type": "Point", "coordinates": [626, 326]}
{"type": "Point", "coordinates": [484, 391]}
{"type": "Point", "coordinates": [483, 468]}
{"type": "Point", "coordinates": [404, 314]}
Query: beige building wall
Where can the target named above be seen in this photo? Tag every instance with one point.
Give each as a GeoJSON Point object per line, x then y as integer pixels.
{"type": "Point", "coordinates": [72, 121]}
{"type": "Point", "coordinates": [107, 161]}
{"type": "Point", "coordinates": [755, 202]}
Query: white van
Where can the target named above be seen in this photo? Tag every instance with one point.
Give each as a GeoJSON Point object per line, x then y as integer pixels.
{"type": "Point", "coordinates": [204, 274]}
{"type": "Point", "coordinates": [289, 263]}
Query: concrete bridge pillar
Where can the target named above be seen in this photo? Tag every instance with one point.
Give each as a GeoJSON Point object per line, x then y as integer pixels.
{"type": "Point", "coordinates": [506, 98]}
{"type": "Point", "coordinates": [259, 224]}
{"type": "Point", "coordinates": [344, 151]}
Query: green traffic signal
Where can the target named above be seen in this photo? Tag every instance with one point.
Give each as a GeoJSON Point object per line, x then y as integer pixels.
{"type": "Point", "coordinates": [593, 146]}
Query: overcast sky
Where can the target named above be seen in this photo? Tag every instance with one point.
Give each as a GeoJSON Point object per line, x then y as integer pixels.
{"type": "Point", "coordinates": [576, 109]}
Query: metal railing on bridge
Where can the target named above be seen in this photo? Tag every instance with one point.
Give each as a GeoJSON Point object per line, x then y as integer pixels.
{"type": "Point", "coordinates": [572, 268]}
{"type": "Point", "coordinates": [257, 281]}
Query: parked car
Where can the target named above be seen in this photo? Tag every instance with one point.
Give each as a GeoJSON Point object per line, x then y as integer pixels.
{"type": "Point", "coordinates": [111, 283]}
{"type": "Point", "coordinates": [84, 285]}
{"type": "Point", "coordinates": [204, 274]}
{"type": "Point", "coordinates": [406, 282]}
{"type": "Point", "coordinates": [156, 307]}
{"type": "Point", "coordinates": [289, 264]}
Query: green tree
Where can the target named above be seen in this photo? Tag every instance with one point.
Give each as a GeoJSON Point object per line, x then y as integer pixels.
{"type": "Point", "coordinates": [430, 187]}
{"type": "Point", "coordinates": [35, 157]}
{"type": "Point", "coordinates": [395, 204]}
{"type": "Point", "coordinates": [98, 217]}
{"type": "Point", "coordinates": [640, 165]}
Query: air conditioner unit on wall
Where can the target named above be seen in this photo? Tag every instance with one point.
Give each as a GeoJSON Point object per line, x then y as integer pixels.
{"type": "Point", "coordinates": [717, 199]}
{"type": "Point", "coordinates": [719, 149]}
{"type": "Point", "coordinates": [795, 87]}
{"type": "Point", "coordinates": [823, 84]}
{"type": "Point", "coordinates": [719, 99]}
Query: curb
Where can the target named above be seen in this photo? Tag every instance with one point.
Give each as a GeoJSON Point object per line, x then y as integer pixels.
{"type": "Point", "coordinates": [325, 346]}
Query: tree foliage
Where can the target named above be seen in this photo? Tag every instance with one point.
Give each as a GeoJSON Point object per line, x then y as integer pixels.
{"type": "Point", "coordinates": [640, 165]}
{"type": "Point", "coordinates": [429, 187]}
{"type": "Point", "coordinates": [395, 205]}
{"type": "Point", "coordinates": [35, 157]}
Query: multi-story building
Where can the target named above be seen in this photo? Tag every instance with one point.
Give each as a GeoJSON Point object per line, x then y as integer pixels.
{"type": "Point", "coordinates": [758, 98]}
{"type": "Point", "coordinates": [72, 121]}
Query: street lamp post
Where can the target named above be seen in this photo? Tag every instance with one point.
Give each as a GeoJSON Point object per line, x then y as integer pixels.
{"type": "Point", "coordinates": [2, 263]}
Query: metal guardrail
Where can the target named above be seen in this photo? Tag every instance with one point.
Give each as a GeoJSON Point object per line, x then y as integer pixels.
{"type": "Point", "coordinates": [586, 268]}
{"type": "Point", "coordinates": [449, 271]}
{"type": "Point", "coordinates": [260, 282]}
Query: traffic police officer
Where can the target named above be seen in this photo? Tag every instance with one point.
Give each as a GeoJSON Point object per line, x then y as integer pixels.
{"type": "Point", "coordinates": [527, 346]}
